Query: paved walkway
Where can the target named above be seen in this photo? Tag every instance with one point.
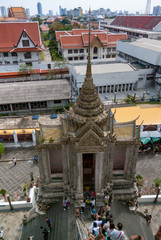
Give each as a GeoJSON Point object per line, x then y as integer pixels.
{"type": "Point", "coordinates": [47, 56]}
{"type": "Point", "coordinates": [13, 178]}
{"type": "Point", "coordinates": [63, 224]}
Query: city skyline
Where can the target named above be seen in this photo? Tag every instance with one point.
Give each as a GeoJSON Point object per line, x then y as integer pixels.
{"type": "Point", "coordinates": [127, 5]}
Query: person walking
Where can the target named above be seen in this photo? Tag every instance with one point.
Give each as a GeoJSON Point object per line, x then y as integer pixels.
{"type": "Point", "coordinates": [14, 161]}
{"type": "Point", "coordinates": [49, 224]}
{"type": "Point", "coordinates": [44, 233]}
{"type": "Point", "coordinates": [35, 160]}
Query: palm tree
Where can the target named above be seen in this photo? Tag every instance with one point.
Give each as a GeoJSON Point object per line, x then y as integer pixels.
{"type": "Point", "coordinates": [157, 182]}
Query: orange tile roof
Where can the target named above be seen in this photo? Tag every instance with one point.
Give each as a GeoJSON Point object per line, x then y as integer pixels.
{"type": "Point", "coordinates": [17, 12]}
{"type": "Point", "coordinates": [68, 41]}
{"type": "Point", "coordinates": [27, 50]}
{"type": "Point", "coordinates": [81, 40]}
{"type": "Point", "coordinates": [112, 38]}
{"type": "Point", "coordinates": [10, 33]}
{"type": "Point", "coordinates": [60, 33]}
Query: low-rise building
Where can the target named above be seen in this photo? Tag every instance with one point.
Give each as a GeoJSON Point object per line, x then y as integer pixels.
{"type": "Point", "coordinates": [134, 26]}
{"type": "Point", "coordinates": [113, 77]}
{"type": "Point", "coordinates": [146, 52]}
{"type": "Point", "coordinates": [20, 43]}
{"type": "Point", "coordinates": [73, 45]}
{"type": "Point", "coordinates": [31, 96]}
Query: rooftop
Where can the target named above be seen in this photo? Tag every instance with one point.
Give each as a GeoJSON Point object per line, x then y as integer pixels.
{"type": "Point", "coordinates": [10, 33]}
{"type": "Point", "coordinates": [148, 115]}
{"type": "Point", "coordinates": [150, 44]}
{"type": "Point", "coordinates": [34, 91]}
{"type": "Point", "coordinates": [104, 68]}
{"type": "Point", "coordinates": [141, 22]}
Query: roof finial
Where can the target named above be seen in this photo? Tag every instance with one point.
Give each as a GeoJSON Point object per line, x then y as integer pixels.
{"type": "Point", "coordinates": [89, 72]}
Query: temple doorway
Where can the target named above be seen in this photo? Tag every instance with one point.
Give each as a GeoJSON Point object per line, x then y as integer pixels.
{"type": "Point", "coordinates": [89, 170]}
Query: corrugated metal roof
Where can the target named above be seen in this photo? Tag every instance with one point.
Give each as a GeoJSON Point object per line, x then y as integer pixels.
{"type": "Point", "coordinates": [34, 91]}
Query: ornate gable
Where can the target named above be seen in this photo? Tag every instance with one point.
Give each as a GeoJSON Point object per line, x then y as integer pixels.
{"type": "Point", "coordinates": [96, 42]}
{"type": "Point", "coordinates": [90, 125]}
{"type": "Point", "coordinates": [90, 139]}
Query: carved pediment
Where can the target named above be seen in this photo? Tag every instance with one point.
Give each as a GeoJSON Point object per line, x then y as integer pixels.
{"type": "Point", "coordinates": [96, 42]}
{"type": "Point", "coordinates": [90, 139]}
{"type": "Point", "coordinates": [90, 125]}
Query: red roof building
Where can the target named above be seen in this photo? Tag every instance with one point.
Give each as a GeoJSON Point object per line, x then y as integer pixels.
{"type": "Point", "coordinates": [74, 44]}
{"type": "Point", "coordinates": [139, 22]}
{"type": "Point", "coordinates": [20, 42]}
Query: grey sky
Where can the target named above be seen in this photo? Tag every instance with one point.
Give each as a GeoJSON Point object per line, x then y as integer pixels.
{"type": "Point", "coordinates": [130, 5]}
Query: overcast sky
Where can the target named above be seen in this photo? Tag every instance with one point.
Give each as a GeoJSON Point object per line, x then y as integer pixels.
{"type": "Point", "coordinates": [129, 5]}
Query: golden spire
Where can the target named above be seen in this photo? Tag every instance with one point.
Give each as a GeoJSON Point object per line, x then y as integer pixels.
{"type": "Point", "coordinates": [88, 78]}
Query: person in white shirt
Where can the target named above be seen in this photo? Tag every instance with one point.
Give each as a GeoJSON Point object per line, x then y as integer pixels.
{"type": "Point", "coordinates": [116, 234]}
{"type": "Point", "coordinates": [1, 234]}
{"type": "Point", "coordinates": [98, 222]}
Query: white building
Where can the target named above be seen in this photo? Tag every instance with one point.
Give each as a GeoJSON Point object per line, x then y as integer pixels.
{"type": "Point", "coordinates": [112, 77]}
{"type": "Point", "coordinates": [146, 52]}
{"type": "Point", "coordinates": [20, 43]}
{"type": "Point", "coordinates": [73, 45]}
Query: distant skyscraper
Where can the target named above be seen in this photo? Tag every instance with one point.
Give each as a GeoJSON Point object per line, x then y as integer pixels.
{"type": "Point", "coordinates": [28, 12]}
{"type": "Point", "coordinates": [62, 11]}
{"type": "Point", "coordinates": [157, 10]}
{"type": "Point", "coordinates": [39, 8]}
{"type": "Point", "coordinates": [50, 12]}
{"type": "Point", "coordinates": [3, 11]}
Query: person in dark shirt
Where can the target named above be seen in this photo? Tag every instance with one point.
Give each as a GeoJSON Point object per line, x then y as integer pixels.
{"type": "Point", "coordinates": [44, 233]}
{"type": "Point", "coordinates": [49, 223]}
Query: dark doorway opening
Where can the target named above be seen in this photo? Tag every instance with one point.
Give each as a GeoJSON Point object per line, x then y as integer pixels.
{"type": "Point", "coordinates": [89, 170]}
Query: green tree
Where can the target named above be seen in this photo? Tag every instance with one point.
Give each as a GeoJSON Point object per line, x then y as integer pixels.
{"type": "Point", "coordinates": [61, 64]}
{"type": "Point", "coordinates": [37, 19]}
{"type": "Point", "coordinates": [65, 21]}
{"type": "Point", "coordinates": [157, 182]}
{"type": "Point", "coordinates": [24, 69]}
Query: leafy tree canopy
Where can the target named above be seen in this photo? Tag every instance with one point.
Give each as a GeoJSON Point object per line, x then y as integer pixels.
{"type": "Point", "coordinates": [37, 19]}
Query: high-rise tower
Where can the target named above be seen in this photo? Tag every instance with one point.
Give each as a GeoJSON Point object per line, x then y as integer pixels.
{"type": "Point", "coordinates": [39, 8]}
{"type": "Point", "coordinates": [148, 7]}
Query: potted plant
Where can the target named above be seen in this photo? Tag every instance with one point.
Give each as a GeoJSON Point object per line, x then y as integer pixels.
{"type": "Point", "coordinates": [51, 140]}
{"type": "Point", "coordinates": [32, 176]}
{"type": "Point", "coordinates": [157, 182]}
{"type": "Point", "coordinates": [3, 192]}
{"type": "Point", "coordinates": [28, 199]}
{"type": "Point", "coordinates": [42, 139]}
{"type": "Point", "coordinates": [25, 189]}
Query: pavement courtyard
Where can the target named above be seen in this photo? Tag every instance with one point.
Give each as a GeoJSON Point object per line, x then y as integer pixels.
{"type": "Point", "coordinates": [13, 178]}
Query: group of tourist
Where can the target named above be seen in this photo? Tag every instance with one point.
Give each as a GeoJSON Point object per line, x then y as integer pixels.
{"type": "Point", "coordinates": [103, 227]}
{"type": "Point", "coordinates": [150, 148]}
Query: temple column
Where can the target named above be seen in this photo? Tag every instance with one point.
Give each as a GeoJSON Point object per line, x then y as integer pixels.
{"type": "Point", "coordinates": [15, 137]}
{"type": "Point", "coordinates": [111, 156]}
{"type": "Point", "coordinates": [134, 161]}
{"type": "Point", "coordinates": [46, 165]}
{"type": "Point", "coordinates": [41, 167]}
{"type": "Point", "coordinates": [99, 171]}
{"type": "Point", "coordinates": [65, 168]}
{"type": "Point", "coordinates": [128, 161]}
{"type": "Point", "coordinates": [79, 194]}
